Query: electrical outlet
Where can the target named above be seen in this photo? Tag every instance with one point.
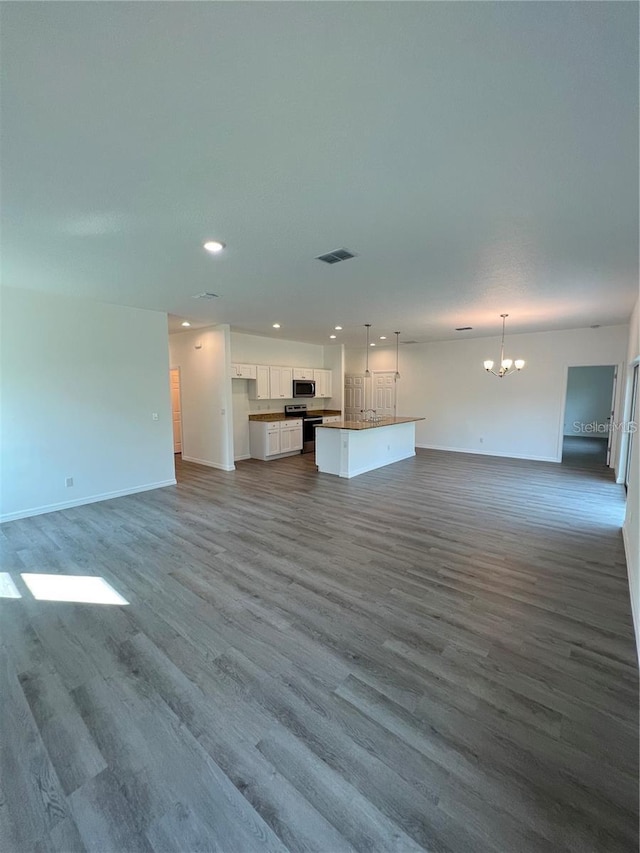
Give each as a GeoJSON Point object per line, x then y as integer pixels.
{"type": "Point", "coordinates": [481, 440]}
{"type": "Point", "coordinates": [154, 416]}
{"type": "Point", "coordinates": [68, 482]}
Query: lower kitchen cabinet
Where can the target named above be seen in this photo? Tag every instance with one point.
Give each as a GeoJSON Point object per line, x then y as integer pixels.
{"type": "Point", "coordinates": [274, 439]}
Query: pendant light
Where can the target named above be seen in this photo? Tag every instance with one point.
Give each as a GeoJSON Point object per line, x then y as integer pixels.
{"type": "Point", "coordinates": [397, 376]}
{"type": "Point", "coordinates": [507, 365]}
{"type": "Point", "coordinates": [367, 372]}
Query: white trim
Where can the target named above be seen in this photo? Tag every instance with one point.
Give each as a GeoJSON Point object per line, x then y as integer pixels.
{"type": "Point", "coordinates": [106, 496]}
{"type": "Point", "coordinates": [242, 458]}
{"type": "Point", "coordinates": [632, 591]}
{"type": "Point", "coordinates": [206, 462]}
{"type": "Point", "coordinates": [477, 452]}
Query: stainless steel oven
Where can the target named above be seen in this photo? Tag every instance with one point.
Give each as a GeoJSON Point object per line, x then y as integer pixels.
{"type": "Point", "coordinates": [309, 424]}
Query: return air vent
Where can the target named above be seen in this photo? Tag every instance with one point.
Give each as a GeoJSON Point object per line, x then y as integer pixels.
{"type": "Point", "coordinates": [336, 256]}
{"type": "Point", "coordinates": [206, 295]}
{"type": "Point", "coordinates": [464, 328]}
{"type": "Point", "coordinates": [408, 342]}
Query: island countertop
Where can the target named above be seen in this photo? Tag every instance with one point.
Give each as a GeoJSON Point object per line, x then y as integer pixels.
{"type": "Point", "coordinates": [359, 425]}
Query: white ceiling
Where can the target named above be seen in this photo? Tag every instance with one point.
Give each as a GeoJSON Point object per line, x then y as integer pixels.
{"type": "Point", "coordinates": [478, 158]}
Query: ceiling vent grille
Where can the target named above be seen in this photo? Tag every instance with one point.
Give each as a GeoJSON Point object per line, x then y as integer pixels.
{"type": "Point", "coordinates": [408, 342]}
{"type": "Point", "coordinates": [464, 328]}
{"type": "Point", "coordinates": [336, 256]}
{"type": "Point", "coordinates": [206, 295]}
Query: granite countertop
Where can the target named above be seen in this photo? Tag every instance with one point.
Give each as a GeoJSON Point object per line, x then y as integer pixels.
{"type": "Point", "coordinates": [358, 425]}
{"type": "Point", "coordinates": [280, 416]}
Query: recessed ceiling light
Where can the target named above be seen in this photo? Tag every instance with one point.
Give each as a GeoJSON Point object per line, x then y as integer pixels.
{"type": "Point", "coordinates": [214, 246]}
{"type": "Point", "coordinates": [371, 345]}
{"type": "Point", "coordinates": [186, 323]}
{"type": "Point", "coordinates": [276, 325]}
{"type": "Point", "coordinates": [383, 337]}
{"type": "Point", "coordinates": [332, 336]}
{"type": "Point", "coordinates": [338, 328]}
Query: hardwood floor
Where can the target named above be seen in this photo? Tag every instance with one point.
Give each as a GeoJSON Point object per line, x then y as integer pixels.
{"type": "Point", "coordinates": [437, 655]}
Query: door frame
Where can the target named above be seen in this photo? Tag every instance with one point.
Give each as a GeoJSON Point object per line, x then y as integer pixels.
{"type": "Point", "coordinates": [615, 441]}
{"type": "Point", "coordinates": [181, 451]}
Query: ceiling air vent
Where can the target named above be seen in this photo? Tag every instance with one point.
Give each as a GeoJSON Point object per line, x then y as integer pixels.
{"type": "Point", "coordinates": [464, 328]}
{"type": "Point", "coordinates": [206, 295]}
{"type": "Point", "coordinates": [408, 342]}
{"type": "Point", "coordinates": [336, 256]}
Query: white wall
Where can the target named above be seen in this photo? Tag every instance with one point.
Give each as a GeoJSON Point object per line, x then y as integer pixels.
{"type": "Point", "coordinates": [468, 410]}
{"type": "Point", "coordinates": [631, 527]}
{"type": "Point", "coordinates": [588, 400]}
{"type": "Point", "coordinates": [204, 359]}
{"type": "Point", "coordinates": [255, 349]}
{"type": "Point", "coordinates": [80, 381]}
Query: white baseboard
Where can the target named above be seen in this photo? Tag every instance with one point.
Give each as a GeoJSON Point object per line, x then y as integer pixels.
{"type": "Point", "coordinates": [633, 592]}
{"type": "Point", "coordinates": [92, 499]}
{"type": "Point", "coordinates": [477, 452]}
{"type": "Point", "coordinates": [242, 458]}
{"type": "Point", "coordinates": [208, 463]}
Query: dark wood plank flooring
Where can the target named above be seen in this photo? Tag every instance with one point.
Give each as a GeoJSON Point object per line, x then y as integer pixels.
{"type": "Point", "coordinates": [435, 656]}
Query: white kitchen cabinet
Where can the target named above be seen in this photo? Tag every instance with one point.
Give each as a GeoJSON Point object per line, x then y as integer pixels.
{"type": "Point", "coordinates": [281, 383]}
{"type": "Point", "coordinates": [331, 419]}
{"type": "Point", "coordinates": [261, 388]}
{"type": "Point", "coordinates": [273, 442]}
{"type": "Point", "coordinates": [290, 436]}
{"type": "Point", "coordinates": [303, 373]}
{"type": "Point", "coordinates": [323, 382]}
{"type": "Point", "coordinates": [243, 371]}
{"type": "Point", "coordinates": [275, 439]}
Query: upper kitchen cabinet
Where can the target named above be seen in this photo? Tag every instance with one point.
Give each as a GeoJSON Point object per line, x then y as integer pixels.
{"type": "Point", "coordinates": [261, 388]}
{"type": "Point", "coordinates": [281, 383]}
{"type": "Point", "coordinates": [243, 371]}
{"type": "Point", "coordinates": [323, 382]}
{"type": "Point", "coordinates": [303, 372]}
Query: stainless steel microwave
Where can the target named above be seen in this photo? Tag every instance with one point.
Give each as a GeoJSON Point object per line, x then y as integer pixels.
{"type": "Point", "coordinates": [304, 388]}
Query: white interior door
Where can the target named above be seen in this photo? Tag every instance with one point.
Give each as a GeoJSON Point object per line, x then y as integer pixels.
{"type": "Point", "coordinates": [384, 394]}
{"type": "Point", "coordinates": [354, 396]}
{"type": "Point", "coordinates": [174, 379]}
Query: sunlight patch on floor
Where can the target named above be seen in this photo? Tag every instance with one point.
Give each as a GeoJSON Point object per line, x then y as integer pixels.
{"type": "Point", "coordinates": [8, 589]}
{"type": "Point", "coordinates": [73, 588]}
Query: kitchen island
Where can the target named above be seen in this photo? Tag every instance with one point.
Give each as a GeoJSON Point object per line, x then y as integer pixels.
{"type": "Point", "coordinates": [349, 448]}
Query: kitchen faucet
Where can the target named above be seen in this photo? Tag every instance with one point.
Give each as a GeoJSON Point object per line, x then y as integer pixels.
{"type": "Point", "coordinates": [364, 413]}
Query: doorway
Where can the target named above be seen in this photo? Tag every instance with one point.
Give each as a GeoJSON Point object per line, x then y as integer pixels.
{"type": "Point", "coordinates": [633, 414]}
{"type": "Point", "coordinates": [176, 408]}
{"type": "Point", "coordinates": [588, 430]}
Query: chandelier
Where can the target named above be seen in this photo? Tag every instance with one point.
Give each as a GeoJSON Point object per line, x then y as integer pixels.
{"type": "Point", "coordinates": [507, 365]}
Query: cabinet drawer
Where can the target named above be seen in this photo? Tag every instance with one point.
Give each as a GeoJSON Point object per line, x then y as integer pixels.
{"type": "Point", "coordinates": [269, 425]}
{"type": "Point", "coordinates": [290, 422]}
